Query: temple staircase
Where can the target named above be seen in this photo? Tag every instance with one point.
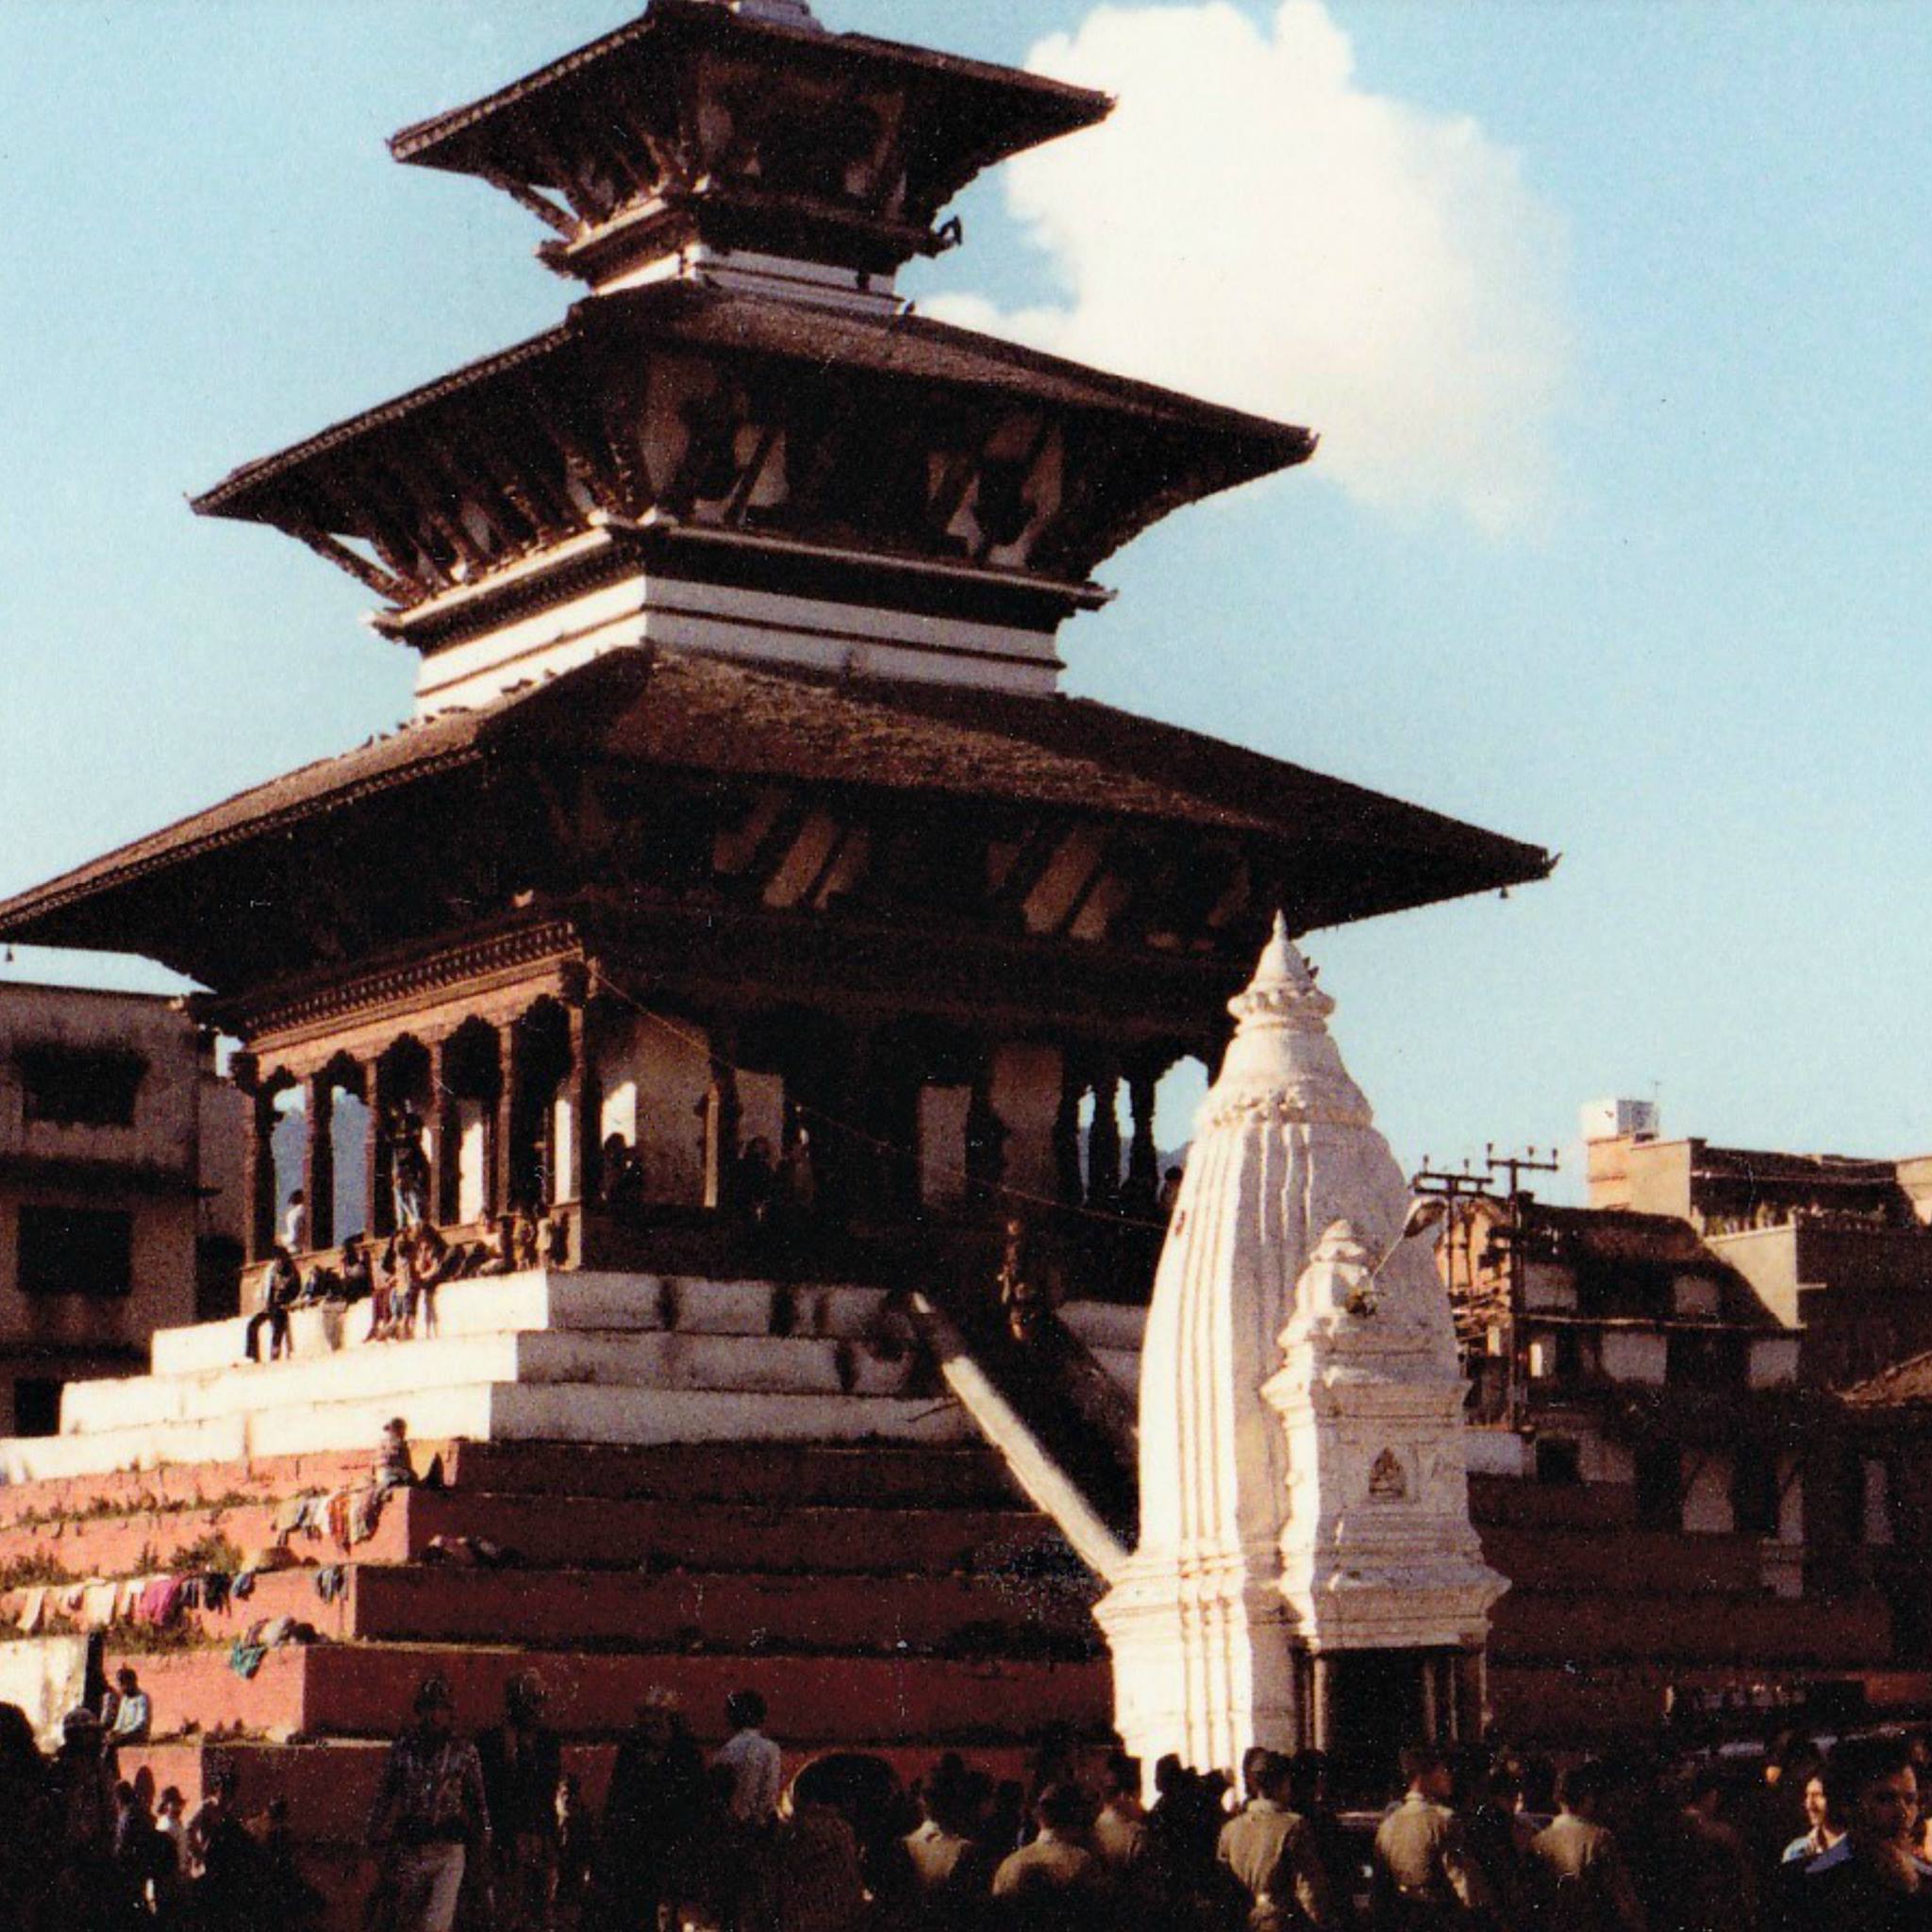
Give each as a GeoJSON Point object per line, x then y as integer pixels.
{"type": "Point", "coordinates": [640, 1482]}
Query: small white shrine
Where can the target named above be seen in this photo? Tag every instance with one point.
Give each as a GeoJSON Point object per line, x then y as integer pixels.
{"type": "Point", "coordinates": [1306, 1572]}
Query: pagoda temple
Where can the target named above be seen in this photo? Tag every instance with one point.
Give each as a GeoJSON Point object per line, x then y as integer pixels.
{"type": "Point", "coordinates": [745, 905]}
{"type": "Point", "coordinates": [739, 801]}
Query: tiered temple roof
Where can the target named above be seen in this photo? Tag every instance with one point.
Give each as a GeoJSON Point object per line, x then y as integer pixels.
{"type": "Point", "coordinates": [1211, 836]}
{"type": "Point", "coordinates": [669, 131]}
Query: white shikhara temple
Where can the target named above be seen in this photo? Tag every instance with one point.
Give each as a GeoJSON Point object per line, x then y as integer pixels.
{"type": "Point", "coordinates": [1306, 1572]}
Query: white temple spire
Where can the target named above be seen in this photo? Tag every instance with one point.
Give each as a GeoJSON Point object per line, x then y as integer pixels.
{"type": "Point", "coordinates": [1302, 1478]}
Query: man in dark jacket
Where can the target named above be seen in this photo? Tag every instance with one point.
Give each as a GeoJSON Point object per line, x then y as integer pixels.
{"type": "Point", "coordinates": [523, 1767]}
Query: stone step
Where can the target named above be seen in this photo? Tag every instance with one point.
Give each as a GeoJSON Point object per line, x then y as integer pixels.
{"type": "Point", "coordinates": [46, 1502]}
{"type": "Point", "coordinates": [961, 1475]}
{"type": "Point", "coordinates": [1028, 1604]}
{"type": "Point", "coordinates": [560, 1303]}
{"type": "Point", "coordinates": [1564, 1707]}
{"type": "Point", "coordinates": [1544, 1626]}
{"type": "Point", "coordinates": [1015, 1609]}
{"type": "Point", "coordinates": [735, 1363]}
{"type": "Point", "coordinates": [560, 1412]}
{"type": "Point", "coordinates": [363, 1689]}
{"type": "Point", "coordinates": [552, 1532]}
{"type": "Point", "coordinates": [1666, 1562]}
{"type": "Point", "coordinates": [959, 1472]}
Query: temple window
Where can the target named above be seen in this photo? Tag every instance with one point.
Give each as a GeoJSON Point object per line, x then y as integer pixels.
{"type": "Point", "coordinates": [76, 1087]}
{"type": "Point", "coordinates": [76, 1251]}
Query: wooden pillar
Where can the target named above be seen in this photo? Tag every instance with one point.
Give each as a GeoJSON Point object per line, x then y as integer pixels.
{"type": "Point", "coordinates": [1143, 1157]}
{"type": "Point", "coordinates": [721, 1133]}
{"type": "Point", "coordinates": [577, 1176]}
{"type": "Point", "coordinates": [259, 1172]}
{"type": "Point", "coordinates": [378, 1201]}
{"type": "Point", "coordinates": [446, 1139]}
{"type": "Point", "coordinates": [319, 1160]}
{"type": "Point", "coordinates": [503, 1137]}
{"type": "Point", "coordinates": [1321, 1672]}
{"type": "Point", "coordinates": [1433, 1728]}
{"type": "Point", "coordinates": [1471, 1679]}
{"type": "Point", "coordinates": [1066, 1132]}
{"type": "Point", "coordinates": [1104, 1141]}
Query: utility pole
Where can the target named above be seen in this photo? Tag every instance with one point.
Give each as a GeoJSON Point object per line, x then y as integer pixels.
{"type": "Point", "coordinates": [1469, 1183]}
{"type": "Point", "coordinates": [1516, 1166]}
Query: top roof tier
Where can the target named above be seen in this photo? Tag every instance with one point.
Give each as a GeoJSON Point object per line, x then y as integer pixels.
{"type": "Point", "coordinates": [744, 129]}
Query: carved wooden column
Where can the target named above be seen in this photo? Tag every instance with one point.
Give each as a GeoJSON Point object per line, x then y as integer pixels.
{"type": "Point", "coordinates": [1104, 1140]}
{"type": "Point", "coordinates": [1321, 1673]}
{"type": "Point", "coordinates": [1066, 1133]}
{"type": "Point", "coordinates": [446, 1140]}
{"type": "Point", "coordinates": [319, 1160]}
{"type": "Point", "coordinates": [577, 1178]}
{"type": "Point", "coordinates": [1143, 1157]}
{"type": "Point", "coordinates": [503, 1140]}
{"type": "Point", "coordinates": [720, 1123]}
{"type": "Point", "coordinates": [258, 1170]}
{"type": "Point", "coordinates": [1470, 1678]}
{"type": "Point", "coordinates": [379, 1201]}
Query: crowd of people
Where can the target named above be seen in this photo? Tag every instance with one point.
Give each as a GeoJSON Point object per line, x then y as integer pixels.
{"type": "Point", "coordinates": [1478, 1841]}
{"type": "Point", "coordinates": [494, 1834]}
{"type": "Point", "coordinates": [88, 1850]}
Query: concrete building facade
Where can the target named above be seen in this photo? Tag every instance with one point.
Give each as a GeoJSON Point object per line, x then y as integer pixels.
{"type": "Point", "coordinates": [119, 1187]}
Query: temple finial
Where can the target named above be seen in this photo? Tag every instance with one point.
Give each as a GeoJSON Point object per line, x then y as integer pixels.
{"type": "Point", "coordinates": [1282, 980]}
{"type": "Point", "coordinates": [777, 12]}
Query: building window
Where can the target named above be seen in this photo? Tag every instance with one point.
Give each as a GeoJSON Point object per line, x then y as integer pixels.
{"type": "Point", "coordinates": [1754, 1493]}
{"type": "Point", "coordinates": [1559, 1462]}
{"type": "Point", "coordinates": [78, 1088]}
{"type": "Point", "coordinates": [36, 1406]}
{"type": "Point", "coordinates": [76, 1251]}
{"type": "Point", "coordinates": [1660, 1486]}
{"type": "Point", "coordinates": [1701, 1358]}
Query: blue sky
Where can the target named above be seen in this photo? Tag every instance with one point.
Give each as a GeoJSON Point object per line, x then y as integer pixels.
{"type": "Point", "coordinates": [1698, 669]}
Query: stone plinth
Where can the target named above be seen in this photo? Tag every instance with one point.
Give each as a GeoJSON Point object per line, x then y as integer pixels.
{"type": "Point", "coordinates": [562, 1357]}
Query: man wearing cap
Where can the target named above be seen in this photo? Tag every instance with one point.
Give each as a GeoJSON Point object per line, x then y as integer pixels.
{"type": "Point", "coordinates": [429, 1813]}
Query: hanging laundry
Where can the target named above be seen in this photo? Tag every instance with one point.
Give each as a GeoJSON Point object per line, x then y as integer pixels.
{"type": "Point", "coordinates": [331, 1581]}
{"type": "Point", "coordinates": [161, 1601]}
{"type": "Point", "coordinates": [337, 1515]}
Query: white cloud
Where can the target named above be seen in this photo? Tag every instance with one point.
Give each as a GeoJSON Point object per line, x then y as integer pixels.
{"type": "Point", "coordinates": [1252, 225]}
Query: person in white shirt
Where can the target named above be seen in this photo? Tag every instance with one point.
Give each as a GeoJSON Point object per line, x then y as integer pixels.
{"type": "Point", "coordinates": [132, 1714]}
{"type": "Point", "coordinates": [752, 1758]}
{"type": "Point", "coordinates": [295, 1223]}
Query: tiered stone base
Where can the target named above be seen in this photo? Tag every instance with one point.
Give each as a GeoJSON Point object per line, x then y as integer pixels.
{"type": "Point", "coordinates": [705, 1486]}
{"type": "Point", "coordinates": [886, 1597]}
{"type": "Point", "coordinates": [585, 1358]}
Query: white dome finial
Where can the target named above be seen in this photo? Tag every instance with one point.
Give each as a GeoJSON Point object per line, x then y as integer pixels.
{"type": "Point", "coordinates": [1283, 984]}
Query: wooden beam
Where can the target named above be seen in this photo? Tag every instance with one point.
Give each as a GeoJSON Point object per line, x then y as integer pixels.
{"type": "Point", "coordinates": [1103, 866]}
{"type": "Point", "coordinates": [333, 550]}
{"type": "Point", "coordinates": [739, 503]}
{"type": "Point", "coordinates": [566, 224]}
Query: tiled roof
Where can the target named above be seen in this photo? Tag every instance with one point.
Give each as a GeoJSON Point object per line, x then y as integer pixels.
{"type": "Point", "coordinates": [1014, 109]}
{"type": "Point", "coordinates": [908, 348]}
{"type": "Point", "coordinates": [677, 712]}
